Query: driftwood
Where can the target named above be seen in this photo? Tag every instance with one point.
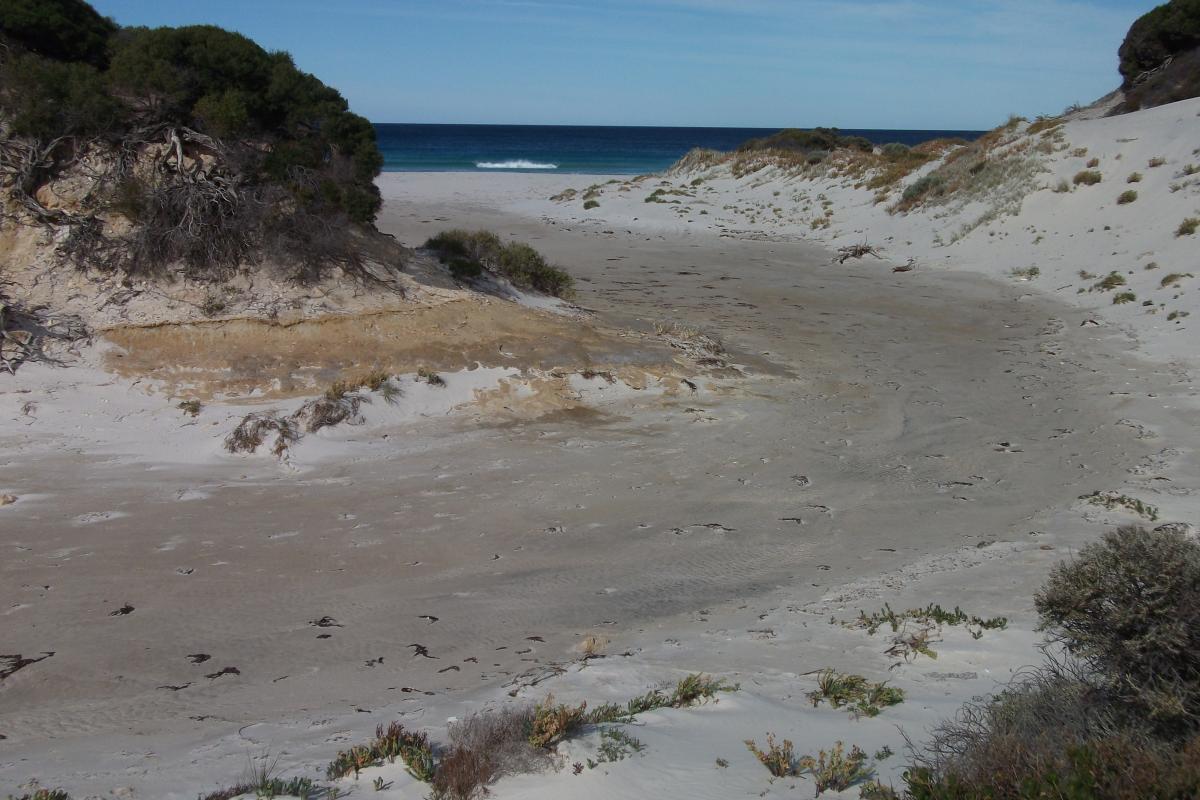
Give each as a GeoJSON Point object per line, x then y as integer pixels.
{"type": "Point", "coordinates": [855, 251]}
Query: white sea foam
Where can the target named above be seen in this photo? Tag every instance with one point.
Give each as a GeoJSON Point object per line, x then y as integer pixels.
{"type": "Point", "coordinates": [519, 163]}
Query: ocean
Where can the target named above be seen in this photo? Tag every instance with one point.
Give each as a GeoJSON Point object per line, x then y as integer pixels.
{"type": "Point", "coordinates": [575, 149]}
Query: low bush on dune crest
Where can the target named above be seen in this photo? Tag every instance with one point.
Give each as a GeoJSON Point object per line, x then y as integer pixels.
{"type": "Point", "coordinates": [1116, 716]}
{"type": "Point", "coordinates": [469, 253]}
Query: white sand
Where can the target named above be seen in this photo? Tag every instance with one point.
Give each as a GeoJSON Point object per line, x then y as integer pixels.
{"type": "Point", "coordinates": [911, 438]}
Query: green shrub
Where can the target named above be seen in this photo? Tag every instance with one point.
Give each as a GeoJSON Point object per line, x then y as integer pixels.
{"type": "Point", "coordinates": [807, 141]}
{"type": "Point", "coordinates": [1129, 608]}
{"type": "Point", "coordinates": [1087, 178]}
{"type": "Point", "coordinates": [1120, 298]}
{"type": "Point", "coordinates": [1115, 718]}
{"type": "Point", "coordinates": [590, 204]}
{"type": "Point", "coordinates": [1127, 197]}
{"type": "Point", "coordinates": [1134, 177]}
{"type": "Point", "coordinates": [894, 151]}
{"type": "Point", "coordinates": [526, 268]}
{"type": "Point", "coordinates": [1188, 226]}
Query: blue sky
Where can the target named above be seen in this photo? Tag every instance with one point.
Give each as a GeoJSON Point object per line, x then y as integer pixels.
{"type": "Point", "coordinates": [955, 64]}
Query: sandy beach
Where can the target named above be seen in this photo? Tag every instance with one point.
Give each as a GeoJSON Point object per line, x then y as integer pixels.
{"type": "Point", "coordinates": [865, 437]}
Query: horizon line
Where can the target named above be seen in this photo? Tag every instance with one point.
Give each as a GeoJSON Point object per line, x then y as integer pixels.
{"type": "Point", "coordinates": [707, 127]}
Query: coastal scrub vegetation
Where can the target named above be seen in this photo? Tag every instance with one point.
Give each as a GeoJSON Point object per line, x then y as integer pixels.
{"type": "Point", "coordinates": [468, 254]}
{"type": "Point", "coordinates": [1116, 716]}
{"type": "Point", "coordinates": [213, 149]}
{"type": "Point", "coordinates": [512, 740]}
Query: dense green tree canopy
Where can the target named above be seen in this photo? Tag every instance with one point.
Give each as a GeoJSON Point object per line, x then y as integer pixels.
{"type": "Point", "coordinates": [305, 164]}
{"type": "Point", "coordinates": [67, 30]}
{"type": "Point", "coordinates": [1167, 30]}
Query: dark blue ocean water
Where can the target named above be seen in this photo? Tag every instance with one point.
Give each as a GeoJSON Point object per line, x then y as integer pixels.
{"type": "Point", "coordinates": [579, 149]}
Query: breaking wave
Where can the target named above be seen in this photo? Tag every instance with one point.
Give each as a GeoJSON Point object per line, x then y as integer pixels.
{"type": "Point", "coordinates": [515, 164]}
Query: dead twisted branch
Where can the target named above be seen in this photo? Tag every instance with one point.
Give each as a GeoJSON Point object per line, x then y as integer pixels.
{"type": "Point", "coordinates": [844, 254]}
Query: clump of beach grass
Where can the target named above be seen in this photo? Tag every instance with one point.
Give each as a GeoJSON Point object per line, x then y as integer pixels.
{"type": "Point", "coordinates": [1087, 178]}
{"type": "Point", "coordinates": [1127, 197]}
{"type": "Point", "coordinates": [1188, 227]}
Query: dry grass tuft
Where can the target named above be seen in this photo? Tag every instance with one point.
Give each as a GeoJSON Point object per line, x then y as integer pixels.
{"type": "Point", "coordinates": [254, 428]}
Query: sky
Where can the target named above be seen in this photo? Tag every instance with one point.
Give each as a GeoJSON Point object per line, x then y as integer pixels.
{"type": "Point", "coordinates": [904, 64]}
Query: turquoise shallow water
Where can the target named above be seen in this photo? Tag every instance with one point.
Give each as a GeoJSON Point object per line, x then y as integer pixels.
{"type": "Point", "coordinates": [577, 149]}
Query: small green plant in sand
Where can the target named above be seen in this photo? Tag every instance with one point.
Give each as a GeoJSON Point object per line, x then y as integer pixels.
{"type": "Point", "coordinates": [615, 745]}
{"type": "Point", "coordinates": [1087, 178]}
{"type": "Point", "coordinates": [1109, 282]}
{"type": "Point", "coordinates": [932, 613]}
{"type": "Point", "coordinates": [689, 691]}
{"type": "Point", "coordinates": [1121, 298]}
{"type": "Point", "coordinates": [1062, 187]}
{"type": "Point", "coordinates": [1026, 274]}
{"type": "Point", "coordinates": [390, 743]}
{"type": "Point", "coordinates": [190, 407]}
{"type": "Point", "coordinates": [1093, 163]}
{"type": "Point", "coordinates": [1126, 197]}
{"type": "Point", "coordinates": [1134, 177]}
{"type": "Point", "coordinates": [590, 204]}
{"type": "Point", "coordinates": [779, 758]}
{"type": "Point", "coordinates": [916, 629]}
{"type": "Point", "coordinates": [854, 693]}
{"type": "Point", "coordinates": [1188, 227]}
{"type": "Point", "coordinates": [261, 782]}
{"type": "Point", "coordinates": [1173, 279]}
{"type": "Point", "coordinates": [835, 769]}
{"type": "Point", "coordinates": [1113, 500]}
{"type": "Point", "coordinates": [1157, 161]}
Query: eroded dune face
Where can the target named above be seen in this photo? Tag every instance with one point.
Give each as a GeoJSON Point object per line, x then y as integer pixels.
{"type": "Point", "coordinates": [241, 356]}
